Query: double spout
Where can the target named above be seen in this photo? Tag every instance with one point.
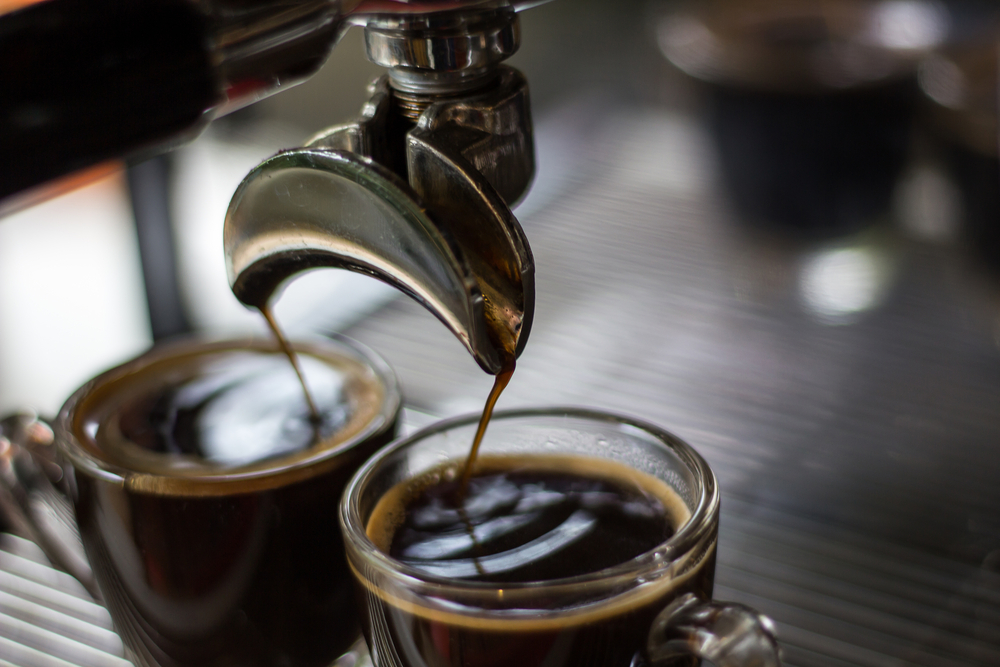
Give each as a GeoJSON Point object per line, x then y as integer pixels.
{"type": "Point", "coordinates": [417, 191]}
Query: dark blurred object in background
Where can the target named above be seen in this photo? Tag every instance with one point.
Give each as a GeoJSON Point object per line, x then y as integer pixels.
{"type": "Point", "coordinates": [961, 84]}
{"type": "Point", "coordinates": [810, 103]}
{"type": "Point", "coordinates": [87, 81]}
{"type": "Point", "coordinates": [815, 164]}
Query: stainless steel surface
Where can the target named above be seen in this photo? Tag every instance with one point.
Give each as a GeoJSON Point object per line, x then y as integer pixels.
{"type": "Point", "coordinates": [840, 598]}
{"type": "Point", "coordinates": [447, 238]}
{"type": "Point", "coordinates": [844, 389]}
{"type": "Point", "coordinates": [467, 40]}
{"type": "Point", "coordinates": [299, 210]}
{"type": "Point", "coordinates": [482, 146]}
{"type": "Point", "coordinates": [843, 598]}
{"type": "Point", "coordinates": [260, 47]}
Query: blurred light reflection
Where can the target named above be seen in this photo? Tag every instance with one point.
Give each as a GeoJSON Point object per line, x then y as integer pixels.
{"type": "Point", "coordinates": [690, 45]}
{"type": "Point", "coordinates": [928, 204]}
{"type": "Point", "coordinates": [838, 285]}
{"type": "Point", "coordinates": [908, 24]}
{"type": "Point", "coordinates": [943, 81]}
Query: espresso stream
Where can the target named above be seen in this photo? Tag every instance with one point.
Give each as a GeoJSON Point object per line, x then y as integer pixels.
{"type": "Point", "coordinates": [526, 518]}
{"type": "Point", "coordinates": [499, 384]}
{"type": "Point", "coordinates": [317, 419]}
{"type": "Point", "coordinates": [517, 523]}
{"type": "Point", "coordinates": [293, 359]}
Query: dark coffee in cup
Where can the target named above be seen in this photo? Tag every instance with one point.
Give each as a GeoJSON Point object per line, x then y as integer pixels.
{"type": "Point", "coordinates": [202, 413]}
{"type": "Point", "coordinates": [207, 495]}
{"type": "Point", "coordinates": [522, 519]}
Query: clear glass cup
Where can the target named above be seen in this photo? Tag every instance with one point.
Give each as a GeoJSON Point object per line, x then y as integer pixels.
{"type": "Point", "coordinates": [653, 609]}
{"type": "Point", "coordinates": [215, 561]}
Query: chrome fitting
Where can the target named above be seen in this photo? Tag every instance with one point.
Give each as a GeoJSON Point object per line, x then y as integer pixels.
{"type": "Point", "coordinates": [442, 56]}
{"type": "Point", "coordinates": [472, 39]}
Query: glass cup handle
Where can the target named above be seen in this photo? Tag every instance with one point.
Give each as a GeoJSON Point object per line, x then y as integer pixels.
{"type": "Point", "coordinates": [725, 633]}
{"type": "Point", "coordinates": [33, 495]}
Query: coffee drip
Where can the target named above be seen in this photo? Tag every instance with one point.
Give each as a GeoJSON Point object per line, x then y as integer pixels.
{"type": "Point", "coordinates": [499, 384]}
{"type": "Point", "coordinates": [502, 379]}
{"type": "Point", "coordinates": [293, 359]}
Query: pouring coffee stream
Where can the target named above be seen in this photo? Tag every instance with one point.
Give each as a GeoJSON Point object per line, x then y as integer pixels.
{"type": "Point", "coordinates": [293, 359]}
{"type": "Point", "coordinates": [499, 384]}
{"type": "Point", "coordinates": [316, 418]}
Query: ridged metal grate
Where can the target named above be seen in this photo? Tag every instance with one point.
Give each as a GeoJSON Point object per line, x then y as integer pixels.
{"type": "Point", "coordinates": [47, 619]}
{"type": "Point", "coordinates": [843, 599]}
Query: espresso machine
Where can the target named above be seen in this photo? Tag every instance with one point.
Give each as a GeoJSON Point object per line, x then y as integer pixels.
{"type": "Point", "coordinates": [164, 70]}
{"type": "Point", "coordinates": [821, 333]}
{"type": "Point", "coordinates": [447, 117]}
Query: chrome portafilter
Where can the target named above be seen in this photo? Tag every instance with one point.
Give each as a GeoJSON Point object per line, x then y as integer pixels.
{"type": "Point", "coordinates": [417, 191]}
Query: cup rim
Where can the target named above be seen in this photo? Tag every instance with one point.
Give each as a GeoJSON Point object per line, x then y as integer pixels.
{"type": "Point", "coordinates": [220, 482]}
{"type": "Point", "coordinates": [682, 542]}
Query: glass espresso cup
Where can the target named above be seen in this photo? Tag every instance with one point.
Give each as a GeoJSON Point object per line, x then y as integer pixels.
{"type": "Point", "coordinates": [447, 607]}
{"type": "Point", "coordinates": [206, 498]}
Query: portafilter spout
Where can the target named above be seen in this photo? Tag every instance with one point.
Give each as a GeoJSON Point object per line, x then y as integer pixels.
{"type": "Point", "coordinates": [416, 191]}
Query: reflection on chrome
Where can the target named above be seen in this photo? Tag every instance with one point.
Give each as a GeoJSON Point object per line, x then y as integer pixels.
{"type": "Point", "coordinates": [838, 285]}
